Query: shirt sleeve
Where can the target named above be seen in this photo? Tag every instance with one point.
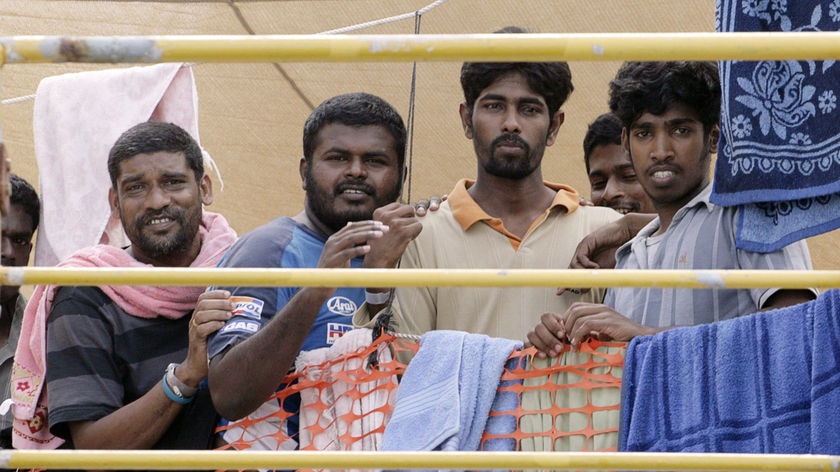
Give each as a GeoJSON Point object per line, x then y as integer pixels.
{"type": "Point", "coordinates": [794, 256]}
{"type": "Point", "coordinates": [83, 376]}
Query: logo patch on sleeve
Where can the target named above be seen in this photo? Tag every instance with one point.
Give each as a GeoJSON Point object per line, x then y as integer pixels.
{"type": "Point", "coordinates": [248, 307]}
{"type": "Point", "coordinates": [249, 327]}
{"type": "Point", "coordinates": [336, 330]}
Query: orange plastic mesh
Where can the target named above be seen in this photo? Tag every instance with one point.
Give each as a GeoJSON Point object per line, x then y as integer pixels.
{"type": "Point", "coordinates": [567, 403]}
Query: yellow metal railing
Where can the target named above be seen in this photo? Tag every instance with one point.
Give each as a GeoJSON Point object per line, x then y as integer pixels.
{"type": "Point", "coordinates": [235, 460]}
{"type": "Point", "coordinates": [566, 278]}
{"type": "Point", "coordinates": [423, 47]}
{"type": "Point", "coordinates": [411, 48]}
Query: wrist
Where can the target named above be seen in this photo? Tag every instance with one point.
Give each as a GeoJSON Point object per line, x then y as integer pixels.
{"type": "Point", "coordinates": [377, 296]}
{"type": "Point", "coordinates": [175, 389]}
{"type": "Point", "coordinates": [183, 374]}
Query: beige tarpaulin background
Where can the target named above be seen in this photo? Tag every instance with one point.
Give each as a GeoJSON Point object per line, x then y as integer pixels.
{"type": "Point", "coordinates": [251, 115]}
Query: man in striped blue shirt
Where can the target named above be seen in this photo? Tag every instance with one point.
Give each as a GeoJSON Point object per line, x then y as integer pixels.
{"type": "Point", "coordinates": [670, 113]}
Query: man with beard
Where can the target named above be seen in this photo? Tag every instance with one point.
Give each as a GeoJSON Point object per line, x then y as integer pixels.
{"type": "Point", "coordinates": [507, 218]}
{"type": "Point", "coordinates": [611, 175]}
{"type": "Point", "coordinates": [670, 112]}
{"type": "Point", "coordinates": [353, 163]}
{"type": "Point", "coordinates": [124, 363]}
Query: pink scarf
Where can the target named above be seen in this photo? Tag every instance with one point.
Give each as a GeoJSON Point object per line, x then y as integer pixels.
{"type": "Point", "coordinates": [29, 394]}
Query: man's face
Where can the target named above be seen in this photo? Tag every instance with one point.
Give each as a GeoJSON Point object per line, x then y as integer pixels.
{"type": "Point", "coordinates": [17, 227]}
{"type": "Point", "coordinates": [614, 183]}
{"type": "Point", "coordinates": [160, 206]}
{"type": "Point", "coordinates": [354, 170]}
{"type": "Point", "coordinates": [671, 155]}
{"type": "Point", "coordinates": [510, 127]}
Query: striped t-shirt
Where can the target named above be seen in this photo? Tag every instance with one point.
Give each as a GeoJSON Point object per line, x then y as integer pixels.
{"type": "Point", "coordinates": [701, 236]}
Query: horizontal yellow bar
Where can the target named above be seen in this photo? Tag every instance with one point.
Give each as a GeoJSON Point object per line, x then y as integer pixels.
{"type": "Point", "coordinates": [424, 47]}
{"type": "Point", "coordinates": [567, 278]}
{"type": "Point", "coordinates": [234, 460]}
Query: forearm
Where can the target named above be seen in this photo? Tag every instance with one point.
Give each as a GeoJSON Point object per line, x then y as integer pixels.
{"type": "Point", "coordinates": [138, 425]}
{"type": "Point", "coordinates": [243, 377]}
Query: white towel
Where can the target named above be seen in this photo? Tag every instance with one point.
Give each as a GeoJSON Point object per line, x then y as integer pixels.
{"type": "Point", "coordinates": [344, 415]}
{"type": "Point", "coordinates": [77, 118]}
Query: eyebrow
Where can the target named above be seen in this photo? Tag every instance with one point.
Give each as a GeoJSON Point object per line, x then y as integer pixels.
{"type": "Point", "coordinates": [496, 97]}
{"type": "Point", "coordinates": [672, 122]}
{"type": "Point", "coordinates": [139, 177]}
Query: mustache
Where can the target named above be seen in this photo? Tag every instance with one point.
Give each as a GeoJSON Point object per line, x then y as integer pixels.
{"type": "Point", "coordinates": [510, 139]}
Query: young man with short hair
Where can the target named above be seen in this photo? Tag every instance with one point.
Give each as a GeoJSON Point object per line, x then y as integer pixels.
{"type": "Point", "coordinates": [669, 111]}
{"type": "Point", "coordinates": [612, 179]}
{"type": "Point", "coordinates": [509, 217]}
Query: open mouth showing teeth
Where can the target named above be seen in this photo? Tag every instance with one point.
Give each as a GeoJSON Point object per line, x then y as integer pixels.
{"type": "Point", "coordinates": [158, 221]}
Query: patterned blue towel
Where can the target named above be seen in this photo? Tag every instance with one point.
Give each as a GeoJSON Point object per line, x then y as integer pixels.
{"type": "Point", "coordinates": [763, 383]}
{"type": "Point", "coordinates": [779, 151]}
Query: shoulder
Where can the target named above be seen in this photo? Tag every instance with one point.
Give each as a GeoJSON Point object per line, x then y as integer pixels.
{"type": "Point", "coordinates": [80, 295]}
{"type": "Point", "coordinates": [593, 216]}
{"type": "Point", "coordinates": [258, 246]}
{"type": "Point", "coordinates": [438, 225]}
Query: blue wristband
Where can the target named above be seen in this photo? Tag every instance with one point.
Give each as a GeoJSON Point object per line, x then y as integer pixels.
{"type": "Point", "coordinates": [172, 395]}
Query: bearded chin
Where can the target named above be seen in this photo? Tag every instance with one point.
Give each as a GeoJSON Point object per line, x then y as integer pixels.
{"type": "Point", "coordinates": [518, 169]}
{"type": "Point", "coordinates": [162, 247]}
{"type": "Point", "coordinates": [323, 210]}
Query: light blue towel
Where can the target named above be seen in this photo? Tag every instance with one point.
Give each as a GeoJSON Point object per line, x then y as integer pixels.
{"type": "Point", "coordinates": [764, 383]}
{"type": "Point", "coordinates": [779, 151]}
{"type": "Point", "coordinates": [447, 391]}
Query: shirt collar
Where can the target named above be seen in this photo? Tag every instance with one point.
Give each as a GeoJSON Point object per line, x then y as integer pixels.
{"type": "Point", "coordinates": [467, 212]}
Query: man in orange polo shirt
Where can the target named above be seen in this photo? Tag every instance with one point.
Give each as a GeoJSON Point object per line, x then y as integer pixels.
{"type": "Point", "coordinates": [507, 218]}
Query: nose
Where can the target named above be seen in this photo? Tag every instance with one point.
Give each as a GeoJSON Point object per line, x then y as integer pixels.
{"type": "Point", "coordinates": [662, 149]}
{"type": "Point", "coordinates": [158, 198]}
{"type": "Point", "coordinates": [613, 190]}
{"type": "Point", "coordinates": [511, 121]}
{"type": "Point", "coordinates": [356, 168]}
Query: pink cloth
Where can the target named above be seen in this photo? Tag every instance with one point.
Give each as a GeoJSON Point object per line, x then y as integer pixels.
{"type": "Point", "coordinates": [76, 119]}
{"type": "Point", "coordinates": [31, 428]}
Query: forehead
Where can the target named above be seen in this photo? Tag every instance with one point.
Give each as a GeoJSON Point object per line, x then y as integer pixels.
{"type": "Point", "coordinates": [151, 165]}
{"type": "Point", "coordinates": [17, 221]}
{"type": "Point", "coordinates": [356, 139]}
{"type": "Point", "coordinates": [511, 85]}
{"type": "Point", "coordinates": [678, 112]}
{"type": "Point", "coordinates": [606, 158]}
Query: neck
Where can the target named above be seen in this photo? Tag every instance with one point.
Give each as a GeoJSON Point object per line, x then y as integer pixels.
{"type": "Point", "coordinates": [666, 211]}
{"type": "Point", "coordinates": [181, 259]}
{"type": "Point", "coordinates": [500, 197]}
{"type": "Point", "coordinates": [310, 221]}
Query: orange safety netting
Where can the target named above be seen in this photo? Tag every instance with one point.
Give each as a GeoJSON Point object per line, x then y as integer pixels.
{"type": "Point", "coordinates": [567, 403]}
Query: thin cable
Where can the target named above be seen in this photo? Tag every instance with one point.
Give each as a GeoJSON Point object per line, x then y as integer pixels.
{"type": "Point", "coordinates": [382, 21]}
{"type": "Point", "coordinates": [241, 18]}
{"type": "Point", "coordinates": [384, 319]}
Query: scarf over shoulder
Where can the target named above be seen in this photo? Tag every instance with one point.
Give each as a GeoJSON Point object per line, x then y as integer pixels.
{"type": "Point", "coordinates": [29, 394]}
